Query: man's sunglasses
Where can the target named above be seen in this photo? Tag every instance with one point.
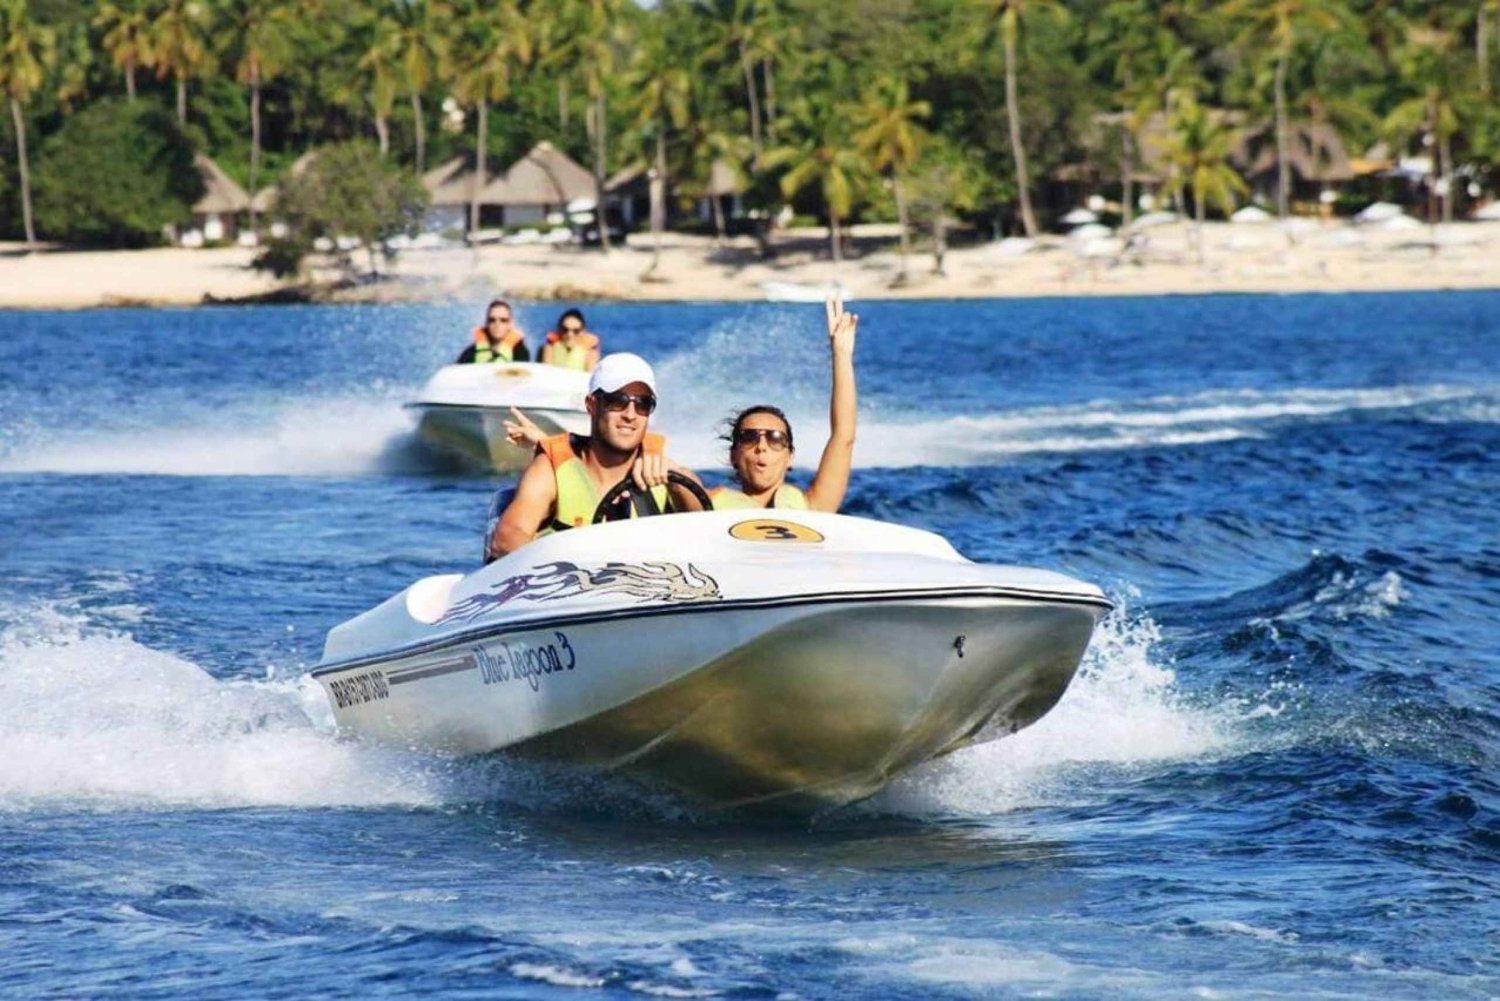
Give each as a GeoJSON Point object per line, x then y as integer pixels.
{"type": "Point", "coordinates": [616, 402]}
{"type": "Point", "coordinates": [776, 439]}
{"type": "Point", "coordinates": [499, 319]}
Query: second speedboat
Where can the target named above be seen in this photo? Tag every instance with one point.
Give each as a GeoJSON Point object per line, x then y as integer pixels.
{"type": "Point", "coordinates": [463, 409]}
{"type": "Point", "coordinates": [792, 660]}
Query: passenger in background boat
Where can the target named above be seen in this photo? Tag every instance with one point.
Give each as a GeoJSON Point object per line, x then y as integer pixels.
{"type": "Point", "coordinates": [761, 446]}
{"type": "Point", "coordinates": [571, 345]}
{"type": "Point", "coordinates": [571, 474]}
{"type": "Point", "coordinates": [498, 340]}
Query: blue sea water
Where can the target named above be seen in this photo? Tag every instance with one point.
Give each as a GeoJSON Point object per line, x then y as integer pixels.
{"type": "Point", "coordinates": [1275, 776]}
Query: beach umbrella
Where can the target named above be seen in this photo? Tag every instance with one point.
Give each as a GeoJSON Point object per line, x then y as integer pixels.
{"type": "Point", "coordinates": [1089, 231]}
{"type": "Point", "coordinates": [1154, 219]}
{"type": "Point", "coordinates": [1378, 212]}
{"type": "Point", "coordinates": [1013, 246]}
{"type": "Point", "coordinates": [1079, 217]}
{"type": "Point", "coordinates": [1251, 215]}
{"type": "Point", "coordinates": [1398, 223]}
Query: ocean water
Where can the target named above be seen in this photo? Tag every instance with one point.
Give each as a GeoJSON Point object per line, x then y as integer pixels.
{"type": "Point", "coordinates": [1277, 774]}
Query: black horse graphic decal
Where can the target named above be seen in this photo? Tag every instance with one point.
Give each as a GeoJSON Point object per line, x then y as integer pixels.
{"type": "Point", "coordinates": [665, 582]}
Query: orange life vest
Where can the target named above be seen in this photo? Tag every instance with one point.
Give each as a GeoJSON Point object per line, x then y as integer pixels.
{"type": "Point", "coordinates": [576, 497]}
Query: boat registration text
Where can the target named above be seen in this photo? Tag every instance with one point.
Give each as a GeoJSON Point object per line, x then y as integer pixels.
{"type": "Point", "coordinates": [519, 660]}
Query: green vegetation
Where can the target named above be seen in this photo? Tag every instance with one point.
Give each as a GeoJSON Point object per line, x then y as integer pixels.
{"type": "Point", "coordinates": [116, 173]}
{"type": "Point", "coordinates": [998, 114]}
{"type": "Point", "coordinates": [345, 193]}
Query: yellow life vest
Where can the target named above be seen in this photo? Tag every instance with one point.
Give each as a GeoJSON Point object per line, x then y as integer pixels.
{"type": "Point", "coordinates": [575, 357]}
{"type": "Point", "coordinates": [486, 351]}
{"type": "Point", "coordinates": [787, 498]}
{"type": "Point", "coordinates": [576, 497]}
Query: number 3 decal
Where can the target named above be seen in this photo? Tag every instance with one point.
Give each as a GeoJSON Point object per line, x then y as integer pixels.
{"type": "Point", "coordinates": [764, 530]}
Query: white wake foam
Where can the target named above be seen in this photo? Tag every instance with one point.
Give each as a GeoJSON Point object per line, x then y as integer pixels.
{"type": "Point", "coordinates": [318, 437]}
{"type": "Point", "coordinates": [1123, 708]}
{"type": "Point", "coordinates": [92, 718]}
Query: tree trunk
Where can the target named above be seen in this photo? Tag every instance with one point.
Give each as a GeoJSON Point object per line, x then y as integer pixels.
{"type": "Point", "coordinates": [1445, 172]}
{"type": "Point", "coordinates": [130, 80]}
{"type": "Point", "coordinates": [754, 103]}
{"type": "Point", "coordinates": [1018, 151]}
{"type": "Point", "coordinates": [15, 114]}
{"type": "Point", "coordinates": [562, 102]}
{"type": "Point", "coordinates": [835, 236]}
{"type": "Point", "coordinates": [901, 221]}
{"type": "Point", "coordinates": [1283, 163]}
{"type": "Point", "coordinates": [718, 208]}
{"type": "Point", "coordinates": [181, 100]}
{"type": "Point", "coordinates": [939, 242]}
{"type": "Point", "coordinates": [1127, 167]}
{"type": "Point", "coordinates": [658, 196]}
{"type": "Point", "coordinates": [1482, 46]}
{"type": "Point", "coordinates": [421, 133]}
{"type": "Point", "coordinates": [1198, 221]}
{"type": "Point", "coordinates": [601, 218]}
{"type": "Point", "coordinates": [770, 102]}
{"type": "Point", "coordinates": [383, 134]}
{"type": "Point", "coordinates": [478, 180]}
{"type": "Point", "coordinates": [254, 138]}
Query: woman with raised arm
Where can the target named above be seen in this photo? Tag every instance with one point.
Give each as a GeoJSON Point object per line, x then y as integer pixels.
{"type": "Point", "coordinates": [760, 439]}
{"type": "Point", "coordinates": [761, 445]}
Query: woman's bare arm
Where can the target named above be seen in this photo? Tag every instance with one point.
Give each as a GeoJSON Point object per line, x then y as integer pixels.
{"type": "Point", "coordinates": [832, 478]}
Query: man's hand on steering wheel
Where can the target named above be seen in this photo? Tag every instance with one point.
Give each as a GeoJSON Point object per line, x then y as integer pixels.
{"type": "Point", "coordinates": [650, 471]}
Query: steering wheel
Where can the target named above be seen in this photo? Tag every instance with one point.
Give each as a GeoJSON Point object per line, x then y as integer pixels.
{"type": "Point", "coordinates": [613, 494]}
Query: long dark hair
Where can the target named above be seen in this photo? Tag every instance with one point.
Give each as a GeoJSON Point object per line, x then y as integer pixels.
{"type": "Point", "coordinates": [733, 424]}
{"type": "Point", "coordinates": [575, 314]}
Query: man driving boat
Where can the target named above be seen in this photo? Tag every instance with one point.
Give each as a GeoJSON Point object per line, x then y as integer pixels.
{"type": "Point", "coordinates": [564, 483]}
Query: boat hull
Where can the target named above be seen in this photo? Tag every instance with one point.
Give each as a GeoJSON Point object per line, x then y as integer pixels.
{"type": "Point", "coordinates": [792, 661]}
{"type": "Point", "coordinates": [476, 435]}
{"type": "Point", "coordinates": [798, 708]}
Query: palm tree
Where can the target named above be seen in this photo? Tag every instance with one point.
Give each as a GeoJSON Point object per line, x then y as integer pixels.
{"type": "Point", "coordinates": [1198, 147]}
{"type": "Point", "coordinates": [1426, 62]}
{"type": "Point", "coordinates": [662, 87]}
{"type": "Point", "coordinates": [1140, 44]}
{"type": "Point", "coordinates": [257, 30]}
{"type": "Point", "coordinates": [26, 50]}
{"type": "Point", "coordinates": [890, 136]}
{"type": "Point", "coordinates": [376, 76]}
{"type": "Point", "coordinates": [497, 41]}
{"type": "Point", "coordinates": [1488, 10]}
{"type": "Point", "coordinates": [1009, 17]}
{"type": "Point", "coordinates": [1277, 27]}
{"type": "Point", "coordinates": [179, 45]}
{"type": "Point", "coordinates": [415, 35]}
{"type": "Point", "coordinates": [748, 35]}
{"type": "Point", "coordinates": [821, 155]}
{"type": "Point", "coordinates": [595, 45]}
{"type": "Point", "coordinates": [127, 36]}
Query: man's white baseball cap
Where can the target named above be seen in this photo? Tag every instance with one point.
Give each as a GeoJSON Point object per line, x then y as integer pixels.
{"type": "Point", "coordinates": [615, 372]}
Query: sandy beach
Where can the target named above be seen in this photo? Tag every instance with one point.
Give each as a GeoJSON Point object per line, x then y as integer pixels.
{"type": "Point", "coordinates": [1322, 257]}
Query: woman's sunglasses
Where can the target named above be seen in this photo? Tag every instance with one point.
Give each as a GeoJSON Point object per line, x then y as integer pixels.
{"type": "Point", "coordinates": [572, 330]}
{"type": "Point", "coordinates": [616, 402]}
{"type": "Point", "coordinates": [776, 439]}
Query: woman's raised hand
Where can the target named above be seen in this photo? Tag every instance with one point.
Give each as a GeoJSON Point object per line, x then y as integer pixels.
{"type": "Point", "coordinates": [842, 326]}
{"type": "Point", "coordinates": [522, 431]}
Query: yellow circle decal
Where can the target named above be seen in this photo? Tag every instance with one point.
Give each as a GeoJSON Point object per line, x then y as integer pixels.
{"type": "Point", "coordinates": [766, 530]}
{"type": "Point", "coordinates": [513, 373]}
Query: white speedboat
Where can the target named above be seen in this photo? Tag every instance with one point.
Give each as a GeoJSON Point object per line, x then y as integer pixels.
{"type": "Point", "coordinates": [463, 409]}
{"type": "Point", "coordinates": [795, 661]}
{"type": "Point", "coordinates": [779, 291]}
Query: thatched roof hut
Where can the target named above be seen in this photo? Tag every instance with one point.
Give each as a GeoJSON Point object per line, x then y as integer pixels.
{"type": "Point", "coordinates": [451, 183]}
{"type": "Point", "coordinates": [264, 200]}
{"type": "Point", "coordinates": [1315, 153]}
{"type": "Point", "coordinates": [544, 176]}
{"type": "Point", "coordinates": [221, 195]}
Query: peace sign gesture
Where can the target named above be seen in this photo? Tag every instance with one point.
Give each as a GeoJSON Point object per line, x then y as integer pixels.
{"type": "Point", "coordinates": [842, 326]}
